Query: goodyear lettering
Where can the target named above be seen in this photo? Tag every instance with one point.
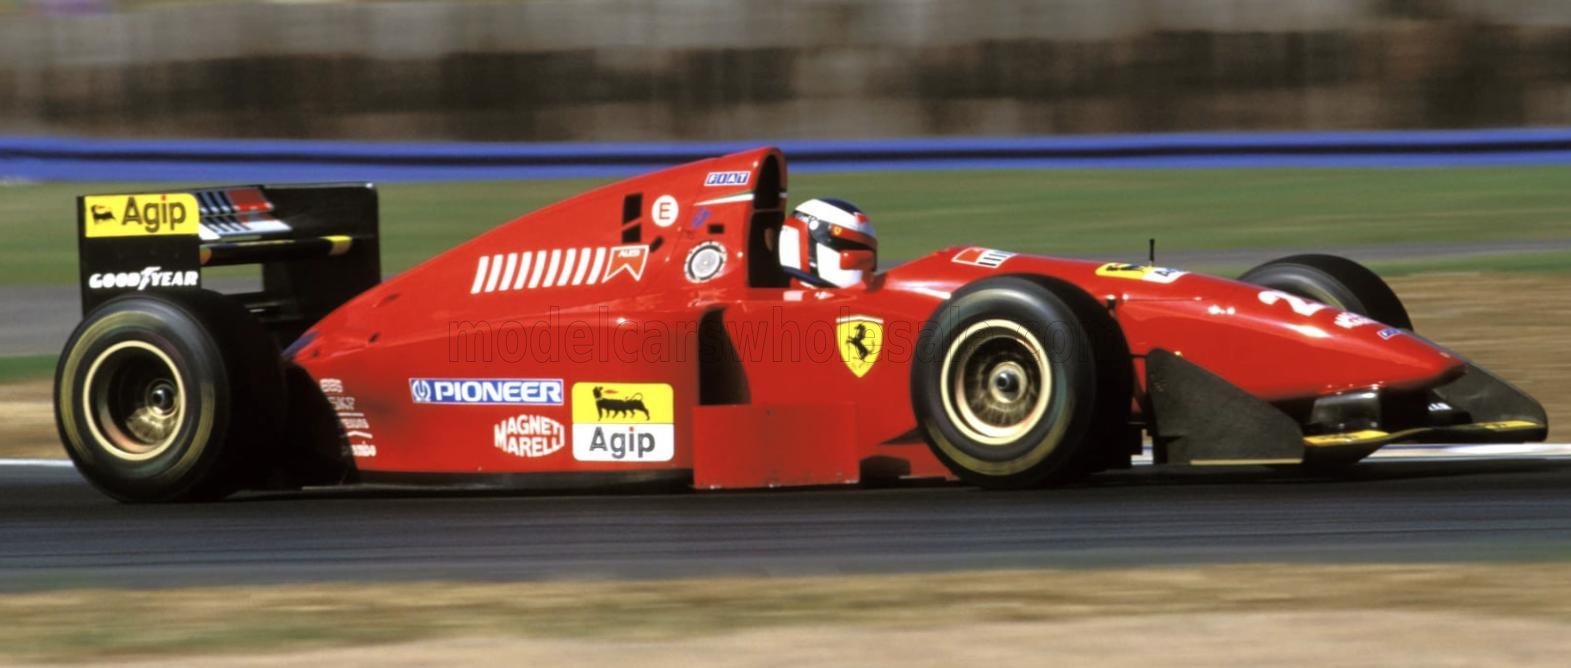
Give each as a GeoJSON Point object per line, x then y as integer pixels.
{"type": "Point", "coordinates": [150, 277]}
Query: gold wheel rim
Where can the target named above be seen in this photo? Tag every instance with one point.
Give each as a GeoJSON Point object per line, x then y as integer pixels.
{"type": "Point", "coordinates": [134, 401]}
{"type": "Point", "coordinates": [996, 382]}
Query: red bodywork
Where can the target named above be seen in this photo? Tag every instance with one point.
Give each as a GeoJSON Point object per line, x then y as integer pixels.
{"type": "Point", "coordinates": [761, 393]}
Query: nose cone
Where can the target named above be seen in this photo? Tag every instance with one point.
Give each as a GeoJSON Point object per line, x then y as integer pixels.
{"type": "Point", "coordinates": [1279, 346]}
{"type": "Point", "coordinates": [1345, 350]}
{"type": "Point", "coordinates": [1403, 359]}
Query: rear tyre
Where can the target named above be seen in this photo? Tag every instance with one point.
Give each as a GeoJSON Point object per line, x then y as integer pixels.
{"type": "Point", "coordinates": [1333, 281]}
{"type": "Point", "coordinates": [169, 397]}
{"type": "Point", "coordinates": [1007, 389]}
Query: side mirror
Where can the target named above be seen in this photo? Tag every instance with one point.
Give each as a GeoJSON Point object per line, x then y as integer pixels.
{"type": "Point", "coordinates": [864, 260]}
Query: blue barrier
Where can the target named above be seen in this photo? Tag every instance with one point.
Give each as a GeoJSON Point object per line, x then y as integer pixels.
{"type": "Point", "coordinates": [80, 159]}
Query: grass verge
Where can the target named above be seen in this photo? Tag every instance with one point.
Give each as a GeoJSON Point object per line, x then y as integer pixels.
{"type": "Point", "coordinates": [1097, 212]}
{"type": "Point", "coordinates": [18, 368]}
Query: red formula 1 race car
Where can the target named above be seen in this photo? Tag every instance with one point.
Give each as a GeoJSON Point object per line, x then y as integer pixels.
{"type": "Point", "coordinates": [646, 332]}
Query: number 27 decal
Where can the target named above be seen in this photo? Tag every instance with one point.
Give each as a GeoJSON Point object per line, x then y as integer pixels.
{"type": "Point", "coordinates": [1301, 306]}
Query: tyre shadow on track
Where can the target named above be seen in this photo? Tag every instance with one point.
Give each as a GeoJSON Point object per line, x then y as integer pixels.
{"type": "Point", "coordinates": [1143, 478]}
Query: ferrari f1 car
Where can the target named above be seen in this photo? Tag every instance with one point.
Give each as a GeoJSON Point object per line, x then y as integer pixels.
{"type": "Point", "coordinates": [645, 333]}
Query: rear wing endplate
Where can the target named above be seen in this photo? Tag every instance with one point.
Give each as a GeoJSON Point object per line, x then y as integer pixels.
{"type": "Point", "coordinates": [317, 246]}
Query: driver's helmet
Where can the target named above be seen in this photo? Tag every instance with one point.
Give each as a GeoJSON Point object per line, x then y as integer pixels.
{"type": "Point", "coordinates": [828, 243]}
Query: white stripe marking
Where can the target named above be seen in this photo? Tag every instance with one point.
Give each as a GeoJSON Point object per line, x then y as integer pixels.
{"type": "Point", "coordinates": [594, 272]}
{"type": "Point", "coordinates": [550, 272]}
{"type": "Point", "coordinates": [728, 199]}
{"type": "Point", "coordinates": [480, 274]}
{"type": "Point", "coordinates": [523, 270]}
{"type": "Point", "coordinates": [507, 274]}
{"type": "Point", "coordinates": [534, 279]}
{"type": "Point", "coordinates": [1416, 452]}
{"type": "Point", "coordinates": [567, 267]}
{"type": "Point", "coordinates": [496, 273]}
{"type": "Point", "coordinates": [583, 266]}
{"type": "Point", "coordinates": [37, 463]}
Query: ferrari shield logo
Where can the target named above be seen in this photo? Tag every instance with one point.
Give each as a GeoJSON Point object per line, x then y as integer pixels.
{"type": "Point", "coordinates": [860, 338]}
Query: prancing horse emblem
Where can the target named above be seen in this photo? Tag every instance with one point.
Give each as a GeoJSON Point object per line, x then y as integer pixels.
{"type": "Point", "coordinates": [860, 336]}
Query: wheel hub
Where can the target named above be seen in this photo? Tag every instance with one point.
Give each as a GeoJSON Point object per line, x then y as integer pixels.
{"type": "Point", "coordinates": [997, 382]}
{"type": "Point", "coordinates": [1008, 383]}
{"type": "Point", "coordinates": [134, 400]}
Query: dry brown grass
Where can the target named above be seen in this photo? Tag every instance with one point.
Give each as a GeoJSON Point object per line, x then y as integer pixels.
{"type": "Point", "coordinates": [1343, 638]}
{"type": "Point", "coordinates": [1516, 325]}
{"type": "Point", "coordinates": [1420, 614]}
{"type": "Point", "coordinates": [28, 427]}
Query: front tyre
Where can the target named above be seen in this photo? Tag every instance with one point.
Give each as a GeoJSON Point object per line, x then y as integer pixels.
{"type": "Point", "coordinates": [1334, 281]}
{"type": "Point", "coordinates": [1006, 388]}
{"type": "Point", "coordinates": [168, 397]}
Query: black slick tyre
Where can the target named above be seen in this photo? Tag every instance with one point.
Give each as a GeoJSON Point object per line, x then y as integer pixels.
{"type": "Point", "coordinates": [1333, 281]}
{"type": "Point", "coordinates": [169, 397]}
{"type": "Point", "coordinates": [1007, 389]}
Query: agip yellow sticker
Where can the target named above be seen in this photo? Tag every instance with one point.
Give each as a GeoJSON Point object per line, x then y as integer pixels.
{"type": "Point", "coordinates": [622, 403]}
{"type": "Point", "coordinates": [623, 423]}
{"type": "Point", "coordinates": [140, 215]}
{"type": "Point", "coordinates": [1138, 272]}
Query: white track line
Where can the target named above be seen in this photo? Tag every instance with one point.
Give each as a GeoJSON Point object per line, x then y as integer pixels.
{"type": "Point", "coordinates": [36, 463]}
{"type": "Point", "coordinates": [1446, 451]}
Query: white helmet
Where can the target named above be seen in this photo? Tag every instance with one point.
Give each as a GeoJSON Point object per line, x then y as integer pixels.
{"type": "Point", "coordinates": [828, 243]}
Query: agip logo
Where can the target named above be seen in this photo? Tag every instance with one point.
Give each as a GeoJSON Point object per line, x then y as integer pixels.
{"type": "Point", "coordinates": [623, 422]}
{"type": "Point", "coordinates": [140, 215]}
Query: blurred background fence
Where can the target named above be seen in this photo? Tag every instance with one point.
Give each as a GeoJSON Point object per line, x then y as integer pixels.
{"type": "Point", "coordinates": [90, 159]}
{"type": "Point", "coordinates": [734, 69]}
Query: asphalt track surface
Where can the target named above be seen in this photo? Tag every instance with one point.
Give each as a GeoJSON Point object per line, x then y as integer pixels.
{"type": "Point", "coordinates": [55, 531]}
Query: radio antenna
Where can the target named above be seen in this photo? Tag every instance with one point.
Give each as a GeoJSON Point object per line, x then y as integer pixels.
{"type": "Point", "coordinates": [1152, 242]}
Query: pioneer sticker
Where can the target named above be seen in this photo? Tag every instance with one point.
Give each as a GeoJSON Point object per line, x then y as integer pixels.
{"type": "Point", "coordinates": [487, 391]}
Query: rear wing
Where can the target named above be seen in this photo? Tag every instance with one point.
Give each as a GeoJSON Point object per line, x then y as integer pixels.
{"type": "Point", "coordinates": [316, 244]}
